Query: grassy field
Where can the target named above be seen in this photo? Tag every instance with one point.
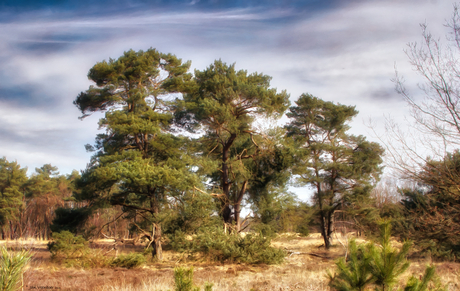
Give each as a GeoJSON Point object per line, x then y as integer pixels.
{"type": "Point", "coordinates": [304, 269]}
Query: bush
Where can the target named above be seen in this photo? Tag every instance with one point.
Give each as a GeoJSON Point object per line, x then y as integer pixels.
{"type": "Point", "coordinates": [11, 269]}
{"type": "Point", "coordinates": [303, 230]}
{"type": "Point", "coordinates": [64, 245]}
{"type": "Point", "coordinates": [74, 251]}
{"type": "Point", "coordinates": [218, 246]}
{"type": "Point", "coordinates": [128, 261]}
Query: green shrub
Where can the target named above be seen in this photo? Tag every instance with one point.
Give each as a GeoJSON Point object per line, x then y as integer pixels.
{"type": "Point", "coordinates": [128, 261]}
{"type": "Point", "coordinates": [64, 245]}
{"type": "Point", "coordinates": [303, 230]}
{"type": "Point", "coordinates": [218, 246]}
{"type": "Point", "coordinates": [74, 251]}
{"type": "Point", "coordinates": [266, 230]}
{"type": "Point", "coordinates": [11, 269]}
{"type": "Point", "coordinates": [183, 279]}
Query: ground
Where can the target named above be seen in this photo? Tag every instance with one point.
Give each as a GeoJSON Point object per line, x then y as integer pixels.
{"type": "Point", "coordinates": [304, 269]}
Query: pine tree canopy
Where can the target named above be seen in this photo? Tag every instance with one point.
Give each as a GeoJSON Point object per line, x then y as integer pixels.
{"type": "Point", "coordinates": [224, 103]}
{"type": "Point", "coordinates": [337, 165]}
{"type": "Point", "coordinates": [138, 162]}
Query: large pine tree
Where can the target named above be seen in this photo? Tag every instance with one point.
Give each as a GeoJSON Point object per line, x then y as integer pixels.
{"type": "Point", "coordinates": [337, 165]}
{"type": "Point", "coordinates": [137, 163]}
{"type": "Point", "coordinates": [224, 103]}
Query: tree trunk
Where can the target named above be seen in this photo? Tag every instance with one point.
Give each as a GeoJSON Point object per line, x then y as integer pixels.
{"type": "Point", "coordinates": [325, 230]}
{"type": "Point", "coordinates": [237, 206]}
{"type": "Point", "coordinates": [226, 213]}
{"type": "Point", "coordinates": [157, 250]}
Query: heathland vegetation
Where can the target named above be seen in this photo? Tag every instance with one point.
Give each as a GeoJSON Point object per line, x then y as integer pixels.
{"type": "Point", "coordinates": [182, 154]}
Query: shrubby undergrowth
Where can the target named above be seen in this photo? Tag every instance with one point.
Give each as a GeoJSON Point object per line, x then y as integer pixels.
{"type": "Point", "coordinates": [74, 251]}
{"type": "Point", "coordinates": [213, 243]}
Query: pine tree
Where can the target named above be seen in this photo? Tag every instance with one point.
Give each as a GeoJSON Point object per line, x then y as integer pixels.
{"type": "Point", "coordinates": [353, 274]}
{"type": "Point", "coordinates": [336, 164]}
{"type": "Point", "coordinates": [138, 163]}
{"type": "Point", "coordinates": [378, 265]}
{"type": "Point", "coordinates": [387, 263]}
{"type": "Point", "coordinates": [12, 188]}
{"type": "Point", "coordinates": [224, 103]}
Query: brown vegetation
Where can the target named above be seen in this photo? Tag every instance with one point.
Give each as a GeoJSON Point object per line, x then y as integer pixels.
{"type": "Point", "coordinates": [304, 269]}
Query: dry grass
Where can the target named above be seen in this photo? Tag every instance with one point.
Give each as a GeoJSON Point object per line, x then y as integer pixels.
{"type": "Point", "coordinates": [304, 269]}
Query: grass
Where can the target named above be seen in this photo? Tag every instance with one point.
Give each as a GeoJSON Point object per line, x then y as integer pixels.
{"type": "Point", "coordinates": [304, 269]}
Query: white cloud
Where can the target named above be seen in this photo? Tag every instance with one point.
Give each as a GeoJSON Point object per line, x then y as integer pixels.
{"type": "Point", "coordinates": [344, 55]}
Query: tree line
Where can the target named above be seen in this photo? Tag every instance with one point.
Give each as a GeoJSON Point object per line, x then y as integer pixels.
{"type": "Point", "coordinates": [145, 160]}
{"type": "Point", "coordinates": [182, 152]}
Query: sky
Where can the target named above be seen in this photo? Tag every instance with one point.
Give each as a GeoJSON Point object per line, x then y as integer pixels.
{"type": "Point", "coordinates": [343, 51]}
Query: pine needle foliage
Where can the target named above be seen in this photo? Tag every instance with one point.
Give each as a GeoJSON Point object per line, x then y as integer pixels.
{"type": "Point", "coordinates": [183, 279]}
{"type": "Point", "coordinates": [378, 265]}
{"type": "Point", "coordinates": [216, 245]}
{"type": "Point", "coordinates": [11, 269]}
{"type": "Point", "coordinates": [353, 274]}
{"type": "Point", "coordinates": [415, 284]}
{"type": "Point", "coordinates": [129, 261]}
{"type": "Point", "coordinates": [387, 262]}
{"type": "Point", "coordinates": [64, 245]}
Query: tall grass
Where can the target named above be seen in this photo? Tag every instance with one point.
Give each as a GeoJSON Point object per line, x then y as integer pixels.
{"type": "Point", "coordinates": [11, 269]}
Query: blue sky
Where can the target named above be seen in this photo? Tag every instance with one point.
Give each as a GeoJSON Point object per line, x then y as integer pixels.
{"type": "Point", "coordinates": [341, 51]}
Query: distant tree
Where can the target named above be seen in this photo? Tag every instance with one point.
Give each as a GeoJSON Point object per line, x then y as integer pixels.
{"type": "Point", "coordinates": [12, 188]}
{"type": "Point", "coordinates": [431, 211]}
{"type": "Point", "coordinates": [281, 211]}
{"type": "Point", "coordinates": [138, 164]}
{"type": "Point", "coordinates": [337, 165]}
{"type": "Point", "coordinates": [434, 129]}
{"type": "Point", "coordinates": [224, 103]}
{"type": "Point", "coordinates": [46, 191]}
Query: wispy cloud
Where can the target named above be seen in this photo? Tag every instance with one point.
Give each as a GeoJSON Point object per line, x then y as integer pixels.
{"type": "Point", "coordinates": [343, 51]}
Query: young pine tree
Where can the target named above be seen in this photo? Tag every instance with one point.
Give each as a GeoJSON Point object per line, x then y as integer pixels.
{"type": "Point", "coordinates": [379, 266]}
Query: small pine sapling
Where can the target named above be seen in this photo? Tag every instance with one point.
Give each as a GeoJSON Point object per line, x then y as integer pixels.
{"type": "Point", "coordinates": [386, 262]}
{"type": "Point", "coordinates": [379, 266]}
{"type": "Point", "coordinates": [183, 279]}
{"type": "Point", "coordinates": [353, 274]}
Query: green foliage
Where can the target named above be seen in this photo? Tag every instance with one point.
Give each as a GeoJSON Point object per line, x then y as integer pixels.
{"type": "Point", "coordinates": [353, 274]}
{"type": "Point", "coordinates": [386, 262]}
{"type": "Point", "coordinates": [192, 212]}
{"type": "Point", "coordinates": [377, 265]}
{"type": "Point", "coordinates": [139, 163]}
{"type": "Point", "coordinates": [303, 230]}
{"type": "Point", "coordinates": [430, 213]}
{"type": "Point", "coordinates": [266, 230]}
{"type": "Point", "coordinates": [129, 261]}
{"type": "Point", "coordinates": [11, 269]}
{"type": "Point", "coordinates": [12, 188]}
{"type": "Point", "coordinates": [70, 219]}
{"type": "Point", "coordinates": [335, 164]}
{"type": "Point", "coordinates": [64, 245]}
{"type": "Point", "coordinates": [183, 279]}
{"type": "Point", "coordinates": [236, 158]}
{"type": "Point", "coordinates": [74, 251]}
{"type": "Point", "coordinates": [414, 284]}
{"type": "Point", "coordinates": [216, 245]}
{"type": "Point", "coordinates": [280, 211]}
